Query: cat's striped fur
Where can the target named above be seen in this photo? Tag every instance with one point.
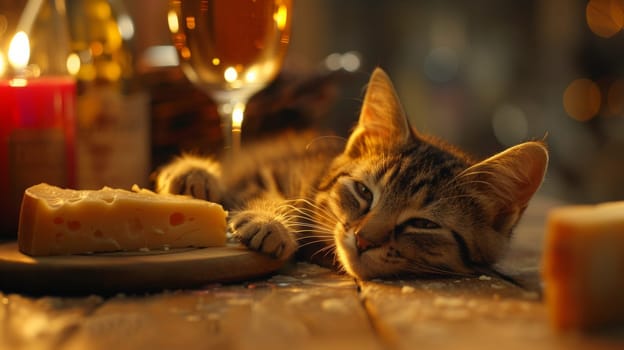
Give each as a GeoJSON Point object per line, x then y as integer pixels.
{"type": "Point", "coordinates": [389, 202]}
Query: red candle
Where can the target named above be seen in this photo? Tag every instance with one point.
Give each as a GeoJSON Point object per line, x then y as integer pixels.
{"type": "Point", "coordinates": [36, 139]}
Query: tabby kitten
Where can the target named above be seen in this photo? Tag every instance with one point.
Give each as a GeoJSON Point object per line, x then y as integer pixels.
{"type": "Point", "coordinates": [390, 202]}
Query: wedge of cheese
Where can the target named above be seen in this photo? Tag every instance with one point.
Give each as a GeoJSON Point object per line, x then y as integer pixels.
{"type": "Point", "coordinates": [55, 221]}
{"type": "Point", "coordinates": [583, 266]}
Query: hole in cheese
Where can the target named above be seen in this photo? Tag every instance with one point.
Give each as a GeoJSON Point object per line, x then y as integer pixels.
{"type": "Point", "coordinates": [176, 219]}
{"type": "Point", "coordinates": [74, 225]}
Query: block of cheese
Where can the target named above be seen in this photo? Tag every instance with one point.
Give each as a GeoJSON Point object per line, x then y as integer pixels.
{"type": "Point", "coordinates": [583, 266]}
{"type": "Point", "coordinates": [56, 221]}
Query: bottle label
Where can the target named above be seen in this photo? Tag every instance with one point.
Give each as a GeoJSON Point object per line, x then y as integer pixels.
{"type": "Point", "coordinates": [112, 138]}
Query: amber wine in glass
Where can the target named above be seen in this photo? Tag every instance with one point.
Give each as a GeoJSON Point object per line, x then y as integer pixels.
{"type": "Point", "coordinates": [230, 49]}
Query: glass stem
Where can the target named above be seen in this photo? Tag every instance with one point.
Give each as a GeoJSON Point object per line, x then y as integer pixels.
{"type": "Point", "coordinates": [237, 123]}
{"type": "Point", "coordinates": [231, 123]}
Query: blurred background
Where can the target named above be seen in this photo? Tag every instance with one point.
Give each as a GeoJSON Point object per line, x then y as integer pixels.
{"type": "Point", "coordinates": [483, 75]}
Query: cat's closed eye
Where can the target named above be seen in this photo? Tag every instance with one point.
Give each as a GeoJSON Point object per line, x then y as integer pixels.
{"type": "Point", "coordinates": [421, 223]}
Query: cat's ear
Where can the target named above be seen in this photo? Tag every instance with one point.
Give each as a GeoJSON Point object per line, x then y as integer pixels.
{"type": "Point", "coordinates": [508, 180]}
{"type": "Point", "coordinates": [382, 119]}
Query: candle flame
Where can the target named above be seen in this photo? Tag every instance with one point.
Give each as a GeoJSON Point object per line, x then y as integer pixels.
{"type": "Point", "coordinates": [19, 51]}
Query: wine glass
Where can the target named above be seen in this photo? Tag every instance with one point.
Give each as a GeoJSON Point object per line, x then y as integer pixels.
{"type": "Point", "coordinates": [230, 49]}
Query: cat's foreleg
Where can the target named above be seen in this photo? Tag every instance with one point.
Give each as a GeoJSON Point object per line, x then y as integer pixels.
{"type": "Point", "coordinates": [191, 175]}
{"type": "Point", "coordinates": [266, 225]}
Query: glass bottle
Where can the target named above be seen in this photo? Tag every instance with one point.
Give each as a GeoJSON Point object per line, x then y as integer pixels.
{"type": "Point", "coordinates": [112, 108]}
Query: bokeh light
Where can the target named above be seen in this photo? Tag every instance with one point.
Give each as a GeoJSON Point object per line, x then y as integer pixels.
{"type": "Point", "coordinates": [3, 64]}
{"type": "Point", "coordinates": [581, 99]}
{"type": "Point", "coordinates": [172, 21]}
{"type": "Point", "coordinates": [332, 61]}
{"type": "Point", "coordinates": [73, 63]}
{"type": "Point", "coordinates": [190, 22]}
{"type": "Point", "coordinates": [605, 18]}
{"type": "Point", "coordinates": [125, 26]}
{"type": "Point", "coordinates": [230, 74]}
{"type": "Point", "coordinates": [510, 125]}
{"type": "Point", "coordinates": [615, 98]}
{"type": "Point", "coordinates": [441, 64]}
{"type": "Point", "coordinates": [349, 61]}
{"type": "Point", "coordinates": [281, 16]}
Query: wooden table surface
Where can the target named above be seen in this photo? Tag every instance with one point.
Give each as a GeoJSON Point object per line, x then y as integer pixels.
{"type": "Point", "coordinates": [304, 306]}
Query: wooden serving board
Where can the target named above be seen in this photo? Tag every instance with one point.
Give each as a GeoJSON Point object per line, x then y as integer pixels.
{"type": "Point", "coordinates": [111, 273]}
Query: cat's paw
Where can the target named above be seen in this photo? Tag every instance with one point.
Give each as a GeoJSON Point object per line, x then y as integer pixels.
{"type": "Point", "coordinates": [192, 176]}
{"type": "Point", "coordinates": [261, 232]}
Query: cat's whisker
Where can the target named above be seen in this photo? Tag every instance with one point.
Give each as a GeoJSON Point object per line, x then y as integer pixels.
{"type": "Point", "coordinates": [315, 208]}
{"type": "Point", "coordinates": [315, 242]}
{"type": "Point", "coordinates": [313, 237]}
{"type": "Point", "coordinates": [330, 249]}
{"type": "Point", "coordinates": [315, 230]}
{"type": "Point", "coordinates": [315, 226]}
{"type": "Point", "coordinates": [307, 233]}
{"type": "Point", "coordinates": [311, 214]}
{"type": "Point", "coordinates": [299, 221]}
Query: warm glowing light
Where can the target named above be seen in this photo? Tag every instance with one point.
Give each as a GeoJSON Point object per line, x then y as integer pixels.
{"type": "Point", "coordinates": [216, 61]}
{"type": "Point", "coordinates": [185, 52]}
{"type": "Point", "coordinates": [237, 116]}
{"type": "Point", "coordinates": [350, 61]}
{"type": "Point", "coordinates": [19, 51]}
{"type": "Point", "coordinates": [605, 18]}
{"type": "Point", "coordinates": [97, 49]}
{"type": "Point", "coordinates": [281, 17]}
{"type": "Point", "coordinates": [100, 10]}
{"type": "Point", "coordinates": [18, 82]}
{"type": "Point", "coordinates": [3, 65]}
{"type": "Point", "coordinates": [251, 75]}
{"type": "Point", "coordinates": [73, 63]}
{"type": "Point", "coordinates": [110, 70]}
{"type": "Point", "coordinates": [172, 20]}
{"type": "Point", "coordinates": [125, 26]}
{"type": "Point", "coordinates": [87, 72]}
{"type": "Point", "coordinates": [615, 98]}
{"type": "Point", "coordinates": [230, 74]}
{"type": "Point", "coordinates": [332, 61]}
{"type": "Point", "coordinates": [581, 99]}
{"type": "Point", "coordinates": [190, 22]}
{"type": "Point", "coordinates": [114, 39]}
{"type": "Point", "coordinates": [161, 56]}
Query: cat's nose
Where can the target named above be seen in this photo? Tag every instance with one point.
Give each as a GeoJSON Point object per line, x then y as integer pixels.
{"type": "Point", "coordinates": [362, 243]}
